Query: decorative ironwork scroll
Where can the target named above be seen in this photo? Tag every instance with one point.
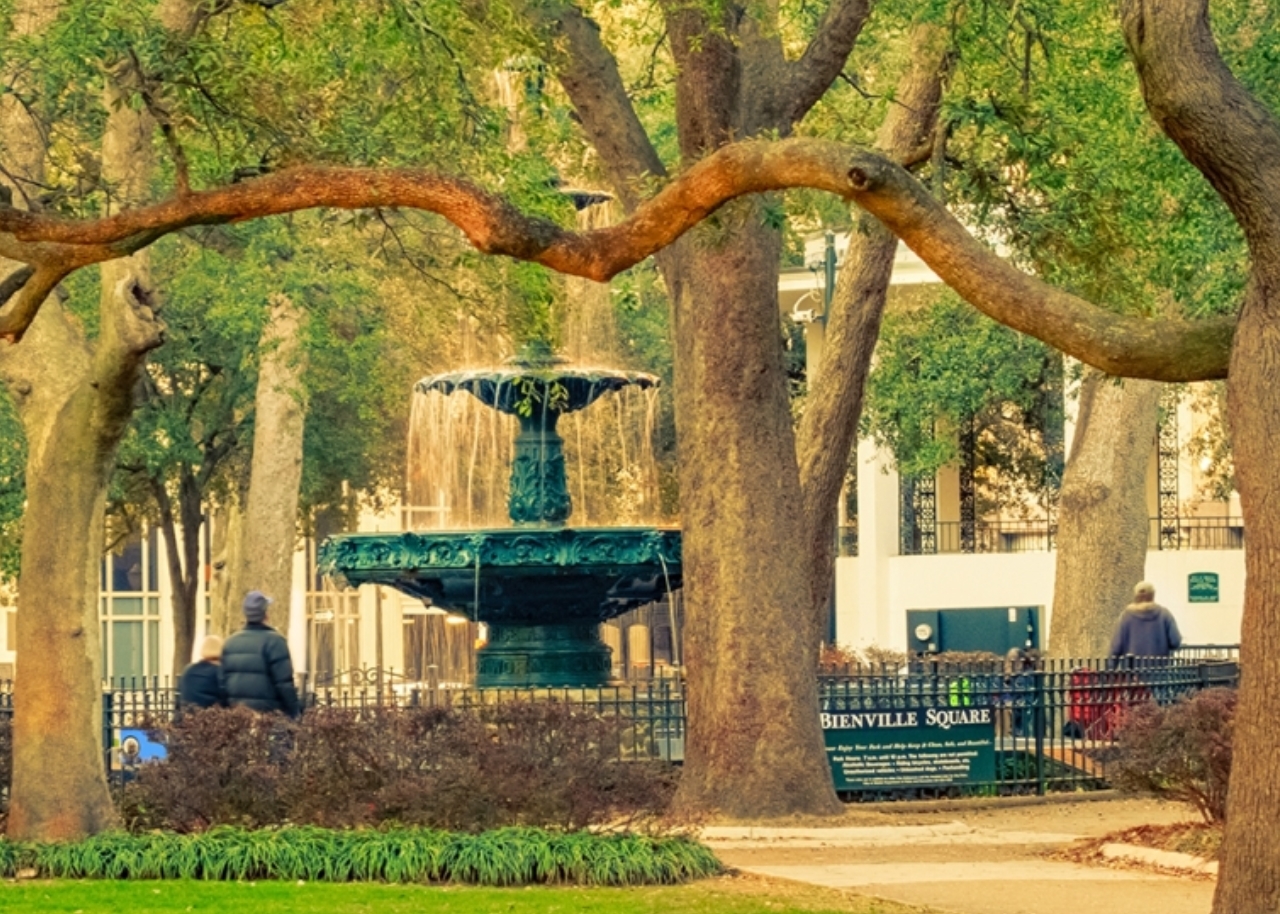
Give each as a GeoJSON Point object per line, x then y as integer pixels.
{"type": "Point", "coordinates": [1167, 470]}
{"type": "Point", "coordinates": [968, 497]}
{"type": "Point", "coordinates": [918, 515]}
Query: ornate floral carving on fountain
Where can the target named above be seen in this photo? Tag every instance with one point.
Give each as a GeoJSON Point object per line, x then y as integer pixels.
{"type": "Point", "coordinates": [536, 381]}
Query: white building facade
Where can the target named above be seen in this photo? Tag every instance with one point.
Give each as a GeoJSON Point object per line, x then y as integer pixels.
{"type": "Point", "coordinates": [937, 555]}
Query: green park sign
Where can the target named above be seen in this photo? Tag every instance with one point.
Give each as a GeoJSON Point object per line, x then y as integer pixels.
{"type": "Point", "coordinates": [1202, 587]}
{"type": "Point", "coordinates": [911, 747]}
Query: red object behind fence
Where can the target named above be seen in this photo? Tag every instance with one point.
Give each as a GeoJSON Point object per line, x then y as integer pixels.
{"type": "Point", "coordinates": [1099, 699]}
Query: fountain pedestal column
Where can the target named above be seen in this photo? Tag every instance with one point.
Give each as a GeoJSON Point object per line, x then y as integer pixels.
{"type": "Point", "coordinates": [538, 656]}
{"type": "Point", "coordinates": [539, 493]}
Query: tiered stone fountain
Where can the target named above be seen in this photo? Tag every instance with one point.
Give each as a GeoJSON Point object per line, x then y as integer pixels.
{"type": "Point", "coordinates": [541, 587]}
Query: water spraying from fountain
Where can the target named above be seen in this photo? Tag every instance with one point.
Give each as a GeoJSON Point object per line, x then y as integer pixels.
{"type": "Point", "coordinates": [542, 587]}
{"type": "Point", "coordinates": [512, 480]}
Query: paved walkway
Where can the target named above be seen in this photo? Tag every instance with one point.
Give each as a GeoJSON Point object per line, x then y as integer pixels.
{"type": "Point", "coordinates": [979, 861]}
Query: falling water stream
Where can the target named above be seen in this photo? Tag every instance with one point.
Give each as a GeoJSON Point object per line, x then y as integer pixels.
{"type": "Point", "coordinates": [460, 450]}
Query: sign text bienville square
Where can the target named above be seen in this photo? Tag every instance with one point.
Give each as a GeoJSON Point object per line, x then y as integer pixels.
{"type": "Point", "coordinates": [910, 747]}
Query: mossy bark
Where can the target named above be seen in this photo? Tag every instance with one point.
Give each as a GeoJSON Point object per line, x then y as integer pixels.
{"type": "Point", "coordinates": [59, 786]}
{"type": "Point", "coordinates": [269, 525]}
{"type": "Point", "coordinates": [754, 746]}
{"type": "Point", "coordinates": [1102, 513]}
{"type": "Point", "coordinates": [75, 398]}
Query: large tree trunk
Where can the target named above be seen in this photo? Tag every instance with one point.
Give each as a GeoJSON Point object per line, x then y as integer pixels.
{"type": "Point", "coordinates": [269, 525]}
{"type": "Point", "coordinates": [1102, 512]}
{"type": "Point", "coordinates": [1250, 881]}
{"type": "Point", "coordinates": [754, 746]}
{"type": "Point", "coordinates": [59, 783]}
{"type": "Point", "coordinates": [829, 428]}
{"type": "Point", "coordinates": [59, 786]}
{"type": "Point", "coordinates": [74, 399]}
{"type": "Point", "coordinates": [1235, 142]}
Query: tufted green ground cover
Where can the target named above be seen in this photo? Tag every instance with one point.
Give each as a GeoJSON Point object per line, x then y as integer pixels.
{"type": "Point", "coordinates": [503, 857]}
{"type": "Point", "coordinates": [710, 896]}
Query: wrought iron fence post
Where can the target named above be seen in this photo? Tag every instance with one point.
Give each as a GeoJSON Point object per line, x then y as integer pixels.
{"type": "Point", "coordinates": [1038, 716]}
{"type": "Point", "coordinates": [108, 707]}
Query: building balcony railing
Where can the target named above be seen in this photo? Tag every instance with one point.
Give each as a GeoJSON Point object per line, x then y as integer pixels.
{"type": "Point", "coordinates": [948, 537]}
{"type": "Point", "coordinates": [1196, 533]}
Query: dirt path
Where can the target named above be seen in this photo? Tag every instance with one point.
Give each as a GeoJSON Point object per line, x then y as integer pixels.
{"type": "Point", "coordinates": [987, 859]}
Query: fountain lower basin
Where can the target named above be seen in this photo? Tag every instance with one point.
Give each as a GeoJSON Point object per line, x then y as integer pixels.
{"type": "Point", "coordinates": [542, 591]}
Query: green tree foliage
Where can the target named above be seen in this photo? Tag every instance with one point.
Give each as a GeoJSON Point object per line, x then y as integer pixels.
{"type": "Point", "coordinates": [942, 363]}
{"type": "Point", "coordinates": [13, 458]}
{"type": "Point", "coordinates": [1049, 150]}
{"type": "Point", "coordinates": [373, 82]}
{"type": "Point", "coordinates": [366, 341]}
{"type": "Point", "coordinates": [1060, 161]}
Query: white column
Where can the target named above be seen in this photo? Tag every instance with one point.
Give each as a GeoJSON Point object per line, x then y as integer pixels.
{"type": "Point", "coordinates": [297, 633]}
{"type": "Point", "coordinates": [863, 614]}
{"type": "Point", "coordinates": [815, 341]}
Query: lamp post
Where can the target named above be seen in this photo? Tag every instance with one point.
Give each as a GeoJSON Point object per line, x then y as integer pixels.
{"type": "Point", "coordinates": [828, 293]}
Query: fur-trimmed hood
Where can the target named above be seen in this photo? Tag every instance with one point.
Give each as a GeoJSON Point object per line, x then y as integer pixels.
{"type": "Point", "coordinates": [1145, 610]}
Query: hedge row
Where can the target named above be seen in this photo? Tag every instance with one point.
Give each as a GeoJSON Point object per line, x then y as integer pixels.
{"type": "Point", "coordinates": [504, 857]}
{"type": "Point", "coordinates": [543, 764]}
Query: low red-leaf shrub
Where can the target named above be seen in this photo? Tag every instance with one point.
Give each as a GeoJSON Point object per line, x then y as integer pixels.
{"type": "Point", "coordinates": [1182, 751]}
{"type": "Point", "coordinates": [523, 763]}
{"type": "Point", "coordinates": [225, 766]}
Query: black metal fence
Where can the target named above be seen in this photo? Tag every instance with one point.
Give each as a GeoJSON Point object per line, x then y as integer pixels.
{"type": "Point", "coordinates": [1053, 720]}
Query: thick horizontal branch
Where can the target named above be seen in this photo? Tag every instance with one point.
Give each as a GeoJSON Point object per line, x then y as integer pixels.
{"type": "Point", "coordinates": [491, 223]}
{"type": "Point", "coordinates": [1122, 345]}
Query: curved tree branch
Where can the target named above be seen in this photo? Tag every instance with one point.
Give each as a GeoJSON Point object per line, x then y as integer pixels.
{"type": "Point", "coordinates": [1230, 136]}
{"type": "Point", "coordinates": [589, 74]}
{"type": "Point", "coordinates": [26, 300]}
{"type": "Point", "coordinates": [812, 74]}
{"type": "Point", "coordinates": [1118, 344]}
{"type": "Point", "coordinates": [1124, 345]}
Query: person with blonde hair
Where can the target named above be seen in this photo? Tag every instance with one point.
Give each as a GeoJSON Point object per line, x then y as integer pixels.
{"type": "Point", "coordinates": [200, 685]}
{"type": "Point", "coordinates": [1145, 629]}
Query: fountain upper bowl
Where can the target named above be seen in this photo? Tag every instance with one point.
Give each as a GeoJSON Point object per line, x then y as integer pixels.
{"type": "Point", "coordinates": [519, 389]}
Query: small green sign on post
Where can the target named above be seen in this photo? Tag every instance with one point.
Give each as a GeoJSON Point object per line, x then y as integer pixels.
{"type": "Point", "coordinates": [1202, 587]}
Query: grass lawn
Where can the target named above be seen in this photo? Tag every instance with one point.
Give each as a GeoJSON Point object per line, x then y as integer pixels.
{"type": "Point", "coordinates": [725, 895]}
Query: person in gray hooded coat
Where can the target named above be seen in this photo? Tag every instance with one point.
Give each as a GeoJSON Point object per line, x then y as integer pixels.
{"type": "Point", "coordinates": [1146, 628]}
{"type": "Point", "coordinates": [256, 667]}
